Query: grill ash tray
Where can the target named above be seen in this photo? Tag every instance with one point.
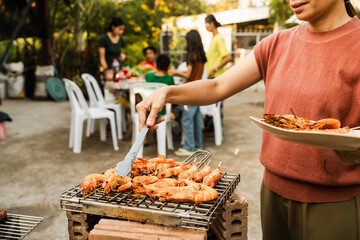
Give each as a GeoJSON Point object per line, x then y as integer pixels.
{"type": "Point", "coordinates": [146, 209]}
{"type": "Point", "coordinates": [18, 226]}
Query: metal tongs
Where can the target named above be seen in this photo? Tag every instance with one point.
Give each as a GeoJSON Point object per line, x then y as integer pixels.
{"type": "Point", "coordinates": [123, 167]}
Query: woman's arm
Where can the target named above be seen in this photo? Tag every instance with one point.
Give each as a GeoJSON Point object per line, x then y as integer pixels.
{"type": "Point", "coordinates": [122, 56]}
{"type": "Point", "coordinates": [202, 92]}
{"type": "Point", "coordinates": [102, 58]}
{"type": "Point", "coordinates": [186, 74]}
{"type": "Point", "coordinates": [225, 60]}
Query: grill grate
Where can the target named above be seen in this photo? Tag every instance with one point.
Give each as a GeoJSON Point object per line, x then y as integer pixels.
{"type": "Point", "coordinates": [144, 208]}
{"type": "Point", "coordinates": [18, 226]}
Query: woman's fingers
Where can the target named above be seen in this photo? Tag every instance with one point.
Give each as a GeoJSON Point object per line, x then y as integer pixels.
{"type": "Point", "coordinates": [152, 116]}
{"type": "Point", "coordinates": [143, 112]}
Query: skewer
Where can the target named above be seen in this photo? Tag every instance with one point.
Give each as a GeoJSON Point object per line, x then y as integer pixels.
{"type": "Point", "coordinates": [219, 164]}
{"type": "Point", "coordinates": [293, 112]}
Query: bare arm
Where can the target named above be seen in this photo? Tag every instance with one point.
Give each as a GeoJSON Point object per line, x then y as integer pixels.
{"type": "Point", "coordinates": [202, 92]}
{"type": "Point", "coordinates": [226, 59]}
{"type": "Point", "coordinates": [102, 57]}
{"type": "Point", "coordinates": [186, 74]}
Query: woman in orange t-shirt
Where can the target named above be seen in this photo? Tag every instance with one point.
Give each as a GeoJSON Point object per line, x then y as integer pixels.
{"type": "Point", "coordinates": [307, 192]}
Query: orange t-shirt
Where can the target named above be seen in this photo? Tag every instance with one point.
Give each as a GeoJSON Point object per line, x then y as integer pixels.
{"type": "Point", "coordinates": [197, 69]}
{"type": "Point", "coordinates": [317, 74]}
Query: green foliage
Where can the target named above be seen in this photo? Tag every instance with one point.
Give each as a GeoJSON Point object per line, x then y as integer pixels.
{"type": "Point", "coordinates": [279, 11]}
{"type": "Point", "coordinates": [78, 24]}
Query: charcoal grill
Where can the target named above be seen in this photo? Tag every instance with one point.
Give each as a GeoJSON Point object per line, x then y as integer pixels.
{"type": "Point", "coordinates": [125, 205]}
{"type": "Point", "coordinates": [18, 226]}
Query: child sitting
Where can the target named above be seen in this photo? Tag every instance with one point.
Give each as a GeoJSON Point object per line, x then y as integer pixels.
{"type": "Point", "coordinates": [109, 92]}
{"type": "Point", "coordinates": [160, 75]}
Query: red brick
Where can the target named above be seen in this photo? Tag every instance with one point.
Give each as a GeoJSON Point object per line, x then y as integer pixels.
{"type": "Point", "coordinates": [79, 225]}
{"type": "Point", "coordinates": [117, 229]}
{"type": "Point", "coordinates": [231, 222]}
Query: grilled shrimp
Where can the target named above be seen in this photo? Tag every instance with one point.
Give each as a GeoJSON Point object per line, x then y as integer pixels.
{"type": "Point", "coordinates": [327, 123]}
{"type": "Point", "coordinates": [153, 163]}
{"type": "Point", "coordinates": [91, 182]}
{"type": "Point", "coordinates": [205, 194]}
{"type": "Point", "coordinates": [162, 167]}
{"type": "Point", "coordinates": [144, 180]}
{"type": "Point", "coordinates": [117, 183]}
{"type": "Point", "coordinates": [173, 172]}
{"type": "Point", "coordinates": [159, 188]}
{"type": "Point", "coordinates": [140, 165]}
{"type": "Point", "coordinates": [188, 174]}
{"type": "Point", "coordinates": [212, 178]}
{"type": "Point", "coordinates": [190, 191]}
{"type": "Point", "coordinates": [198, 177]}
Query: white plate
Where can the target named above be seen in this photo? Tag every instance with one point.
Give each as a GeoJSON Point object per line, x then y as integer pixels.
{"type": "Point", "coordinates": [346, 142]}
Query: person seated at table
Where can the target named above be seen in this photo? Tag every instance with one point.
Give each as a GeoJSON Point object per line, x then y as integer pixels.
{"type": "Point", "coordinates": [109, 92]}
{"type": "Point", "coordinates": [150, 56]}
{"type": "Point", "coordinates": [161, 75]}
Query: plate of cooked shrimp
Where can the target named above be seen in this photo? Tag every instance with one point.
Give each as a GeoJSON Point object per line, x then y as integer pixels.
{"type": "Point", "coordinates": [324, 133]}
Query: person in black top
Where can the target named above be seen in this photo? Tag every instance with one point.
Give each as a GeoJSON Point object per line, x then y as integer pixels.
{"type": "Point", "coordinates": [112, 43]}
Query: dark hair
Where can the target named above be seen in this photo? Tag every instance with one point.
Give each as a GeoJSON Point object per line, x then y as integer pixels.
{"type": "Point", "coordinates": [149, 48]}
{"type": "Point", "coordinates": [115, 22]}
{"type": "Point", "coordinates": [162, 62]}
{"type": "Point", "coordinates": [211, 19]}
{"type": "Point", "coordinates": [194, 47]}
{"type": "Point", "coordinates": [350, 8]}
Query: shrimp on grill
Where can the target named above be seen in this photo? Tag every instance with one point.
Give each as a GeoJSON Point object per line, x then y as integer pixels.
{"type": "Point", "coordinates": [205, 194]}
{"type": "Point", "coordinates": [140, 165]}
{"type": "Point", "coordinates": [135, 173]}
{"type": "Point", "coordinates": [117, 183]}
{"type": "Point", "coordinates": [212, 178]}
{"type": "Point", "coordinates": [190, 191]}
{"type": "Point", "coordinates": [188, 174]}
{"type": "Point", "coordinates": [139, 182]}
{"type": "Point", "coordinates": [173, 172]}
{"type": "Point", "coordinates": [162, 167]}
{"type": "Point", "coordinates": [159, 188]}
{"type": "Point", "coordinates": [153, 163]}
{"type": "Point", "coordinates": [198, 177]}
{"type": "Point", "coordinates": [91, 182]}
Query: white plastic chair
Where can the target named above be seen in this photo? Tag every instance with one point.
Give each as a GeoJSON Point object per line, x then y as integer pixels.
{"type": "Point", "coordinates": [80, 112]}
{"type": "Point", "coordinates": [96, 99]}
{"type": "Point", "coordinates": [214, 111]}
{"type": "Point", "coordinates": [163, 133]}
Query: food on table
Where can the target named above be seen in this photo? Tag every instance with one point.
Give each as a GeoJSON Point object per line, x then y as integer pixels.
{"type": "Point", "coordinates": [293, 122]}
{"type": "Point", "coordinates": [211, 179]}
{"type": "Point", "coordinates": [158, 178]}
{"type": "Point", "coordinates": [3, 215]}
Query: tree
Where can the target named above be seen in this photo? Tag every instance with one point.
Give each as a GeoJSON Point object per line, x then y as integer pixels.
{"type": "Point", "coordinates": [279, 12]}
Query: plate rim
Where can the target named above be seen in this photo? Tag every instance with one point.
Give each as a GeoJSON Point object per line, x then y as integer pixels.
{"type": "Point", "coordinates": [349, 135]}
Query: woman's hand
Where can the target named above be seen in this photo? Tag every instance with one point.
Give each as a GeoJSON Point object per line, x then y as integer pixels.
{"type": "Point", "coordinates": [122, 57]}
{"type": "Point", "coordinates": [349, 157]}
{"type": "Point", "coordinates": [212, 73]}
{"type": "Point", "coordinates": [150, 107]}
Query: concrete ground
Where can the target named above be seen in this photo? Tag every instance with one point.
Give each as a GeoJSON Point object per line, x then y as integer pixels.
{"type": "Point", "coordinates": [37, 166]}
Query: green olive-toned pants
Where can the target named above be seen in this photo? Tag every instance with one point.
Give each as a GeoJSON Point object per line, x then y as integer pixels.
{"type": "Point", "coordinates": [284, 219]}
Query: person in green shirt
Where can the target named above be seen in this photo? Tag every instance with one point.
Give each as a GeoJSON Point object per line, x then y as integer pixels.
{"type": "Point", "coordinates": [112, 43]}
{"type": "Point", "coordinates": [161, 75]}
{"type": "Point", "coordinates": [217, 55]}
